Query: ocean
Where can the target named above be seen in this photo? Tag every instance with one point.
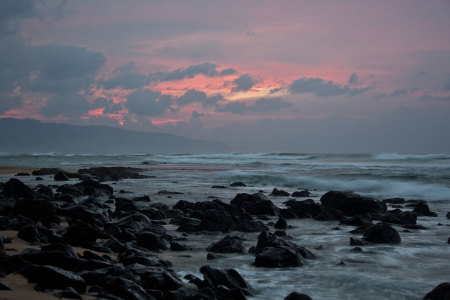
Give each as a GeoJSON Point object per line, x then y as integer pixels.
{"type": "Point", "coordinates": [405, 271]}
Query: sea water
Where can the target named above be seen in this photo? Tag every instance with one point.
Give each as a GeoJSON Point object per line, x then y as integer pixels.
{"type": "Point", "coordinates": [405, 271]}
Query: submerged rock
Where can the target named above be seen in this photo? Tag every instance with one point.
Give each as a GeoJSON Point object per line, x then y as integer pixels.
{"type": "Point", "coordinates": [382, 233]}
{"type": "Point", "coordinates": [441, 292]}
{"type": "Point", "coordinates": [297, 296]}
{"type": "Point", "coordinates": [422, 209]}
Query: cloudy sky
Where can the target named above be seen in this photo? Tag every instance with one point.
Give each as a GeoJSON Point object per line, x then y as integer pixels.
{"type": "Point", "coordinates": [301, 76]}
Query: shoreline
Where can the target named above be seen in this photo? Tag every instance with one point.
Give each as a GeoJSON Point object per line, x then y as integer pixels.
{"type": "Point", "coordinates": [13, 170]}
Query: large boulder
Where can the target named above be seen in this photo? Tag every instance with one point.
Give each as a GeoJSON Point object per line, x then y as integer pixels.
{"type": "Point", "coordinates": [229, 278]}
{"type": "Point", "coordinates": [250, 226]}
{"type": "Point", "coordinates": [279, 257]}
{"type": "Point", "coordinates": [265, 207]}
{"type": "Point", "coordinates": [54, 278]}
{"type": "Point", "coordinates": [245, 200]}
{"type": "Point", "coordinates": [441, 292]}
{"type": "Point", "coordinates": [216, 222]}
{"type": "Point", "coordinates": [80, 233]}
{"type": "Point", "coordinates": [304, 209]}
{"type": "Point", "coordinates": [422, 209]}
{"type": "Point", "coordinates": [267, 239]}
{"type": "Point", "coordinates": [60, 176]}
{"type": "Point", "coordinates": [134, 223]}
{"type": "Point", "coordinates": [229, 244]}
{"type": "Point", "coordinates": [352, 204]}
{"type": "Point", "coordinates": [382, 234]}
{"type": "Point", "coordinates": [15, 188]}
{"type": "Point", "coordinates": [399, 217]}
{"type": "Point", "coordinates": [37, 210]}
{"type": "Point", "coordinates": [153, 241]}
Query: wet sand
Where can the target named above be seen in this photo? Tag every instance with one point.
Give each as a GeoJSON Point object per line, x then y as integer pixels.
{"type": "Point", "coordinates": [22, 289]}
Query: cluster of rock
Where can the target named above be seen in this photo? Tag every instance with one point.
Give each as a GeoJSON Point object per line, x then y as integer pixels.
{"type": "Point", "coordinates": [132, 229]}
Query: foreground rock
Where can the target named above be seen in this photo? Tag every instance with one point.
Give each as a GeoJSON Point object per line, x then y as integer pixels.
{"type": "Point", "coordinates": [441, 292]}
{"type": "Point", "coordinates": [15, 188]}
{"type": "Point", "coordinates": [54, 278]}
{"type": "Point", "coordinates": [382, 234]}
{"type": "Point", "coordinates": [352, 204]}
{"type": "Point", "coordinates": [229, 244]}
{"type": "Point", "coordinates": [297, 296]}
{"type": "Point", "coordinates": [279, 257]}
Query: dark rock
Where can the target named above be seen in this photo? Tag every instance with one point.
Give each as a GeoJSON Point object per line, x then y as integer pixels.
{"type": "Point", "coordinates": [88, 186]}
{"type": "Point", "coordinates": [357, 242]}
{"type": "Point", "coordinates": [276, 192]}
{"type": "Point", "coordinates": [45, 190]}
{"type": "Point", "coordinates": [187, 292]}
{"type": "Point", "coordinates": [352, 204]}
{"type": "Point", "coordinates": [80, 233]}
{"type": "Point", "coordinates": [305, 209]}
{"type": "Point", "coordinates": [153, 241]}
{"type": "Point", "coordinates": [357, 249]}
{"type": "Point", "coordinates": [395, 201]}
{"type": "Point", "coordinates": [77, 211]}
{"type": "Point", "coordinates": [113, 173]}
{"type": "Point", "coordinates": [15, 188]}
{"type": "Point", "coordinates": [280, 233]}
{"type": "Point", "coordinates": [179, 247]}
{"type": "Point", "coordinates": [267, 239]}
{"type": "Point", "coordinates": [54, 278]}
{"type": "Point", "coordinates": [216, 256]}
{"type": "Point", "coordinates": [288, 213]}
{"type": "Point", "coordinates": [133, 223]}
{"type": "Point", "coordinates": [229, 278]}
{"type": "Point", "coordinates": [304, 193]}
{"type": "Point", "coordinates": [184, 220]}
{"type": "Point", "coordinates": [441, 292]}
{"type": "Point", "coordinates": [37, 210]}
{"type": "Point", "coordinates": [245, 200]}
{"type": "Point", "coordinates": [250, 226]}
{"type": "Point", "coordinates": [216, 222]}
{"type": "Point", "coordinates": [357, 221]}
{"type": "Point", "coordinates": [297, 296]}
{"type": "Point", "coordinates": [382, 233]}
{"type": "Point", "coordinates": [265, 207]}
{"type": "Point", "coordinates": [404, 218]}
{"type": "Point", "coordinates": [22, 174]}
{"type": "Point", "coordinates": [279, 257]}
{"type": "Point", "coordinates": [218, 187]}
{"type": "Point", "coordinates": [164, 192]}
{"type": "Point", "coordinates": [30, 234]}
{"type": "Point", "coordinates": [60, 176]}
{"type": "Point", "coordinates": [238, 184]}
{"type": "Point", "coordinates": [422, 209]}
{"type": "Point", "coordinates": [229, 244]}
{"type": "Point", "coordinates": [156, 277]}
{"type": "Point", "coordinates": [281, 224]}
{"type": "Point", "coordinates": [71, 293]}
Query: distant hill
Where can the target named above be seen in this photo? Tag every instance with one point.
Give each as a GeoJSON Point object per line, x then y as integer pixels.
{"type": "Point", "coordinates": [27, 135]}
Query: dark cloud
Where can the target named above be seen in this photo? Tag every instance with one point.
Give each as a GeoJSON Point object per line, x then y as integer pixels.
{"type": "Point", "coordinates": [206, 69]}
{"type": "Point", "coordinates": [447, 86]}
{"type": "Point", "coordinates": [432, 98]}
{"type": "Point", "coordinates": [147, 103]}
{"type": "Point", "coordinates": [9, 102]}
{"type": "Point", "coordinates": [66, 105]}
{"type": "Point", "coordinates": [266, 105]}
{"type": "Point", "coordinates": [197, 115]}
{"type": "Point", "coordinates": [227, 72]}
{"type": "Point", "coordinates": [400, 92]}
{"type": "Point", "coordinates": [323, 88]}
{"type": "Point", "coordinates": [12, 12]}
{"type": "Point", "coordinates": [234, 108]}
{"type": "Point", "coordinates": [244, 83]}
{"type": "Point", "coordinates": [420, 73]}
{"type": "Point", "coordinates": [191, 96]}
{"type": "Point", "coordinates": [63, 73]}
{"type": "Point", "coordinates": [276, 90]}
{"type": "Point", "coordinates": [354, 79]}
{"type": "Point", "coordinates": [251, 33]}
{"type": "Point", "coordinates": [130, 78]}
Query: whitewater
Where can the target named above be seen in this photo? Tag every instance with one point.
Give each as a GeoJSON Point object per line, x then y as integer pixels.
{"type": "Point", "coordinates": [405, 271]}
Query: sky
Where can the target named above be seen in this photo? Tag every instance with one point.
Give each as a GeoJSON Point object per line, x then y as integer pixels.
{"type": "Point", "coordinates": [298, 76]}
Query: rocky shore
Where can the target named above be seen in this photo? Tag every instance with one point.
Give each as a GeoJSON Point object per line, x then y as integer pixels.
{"type": "Point", "coordinates": [79, 238]}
